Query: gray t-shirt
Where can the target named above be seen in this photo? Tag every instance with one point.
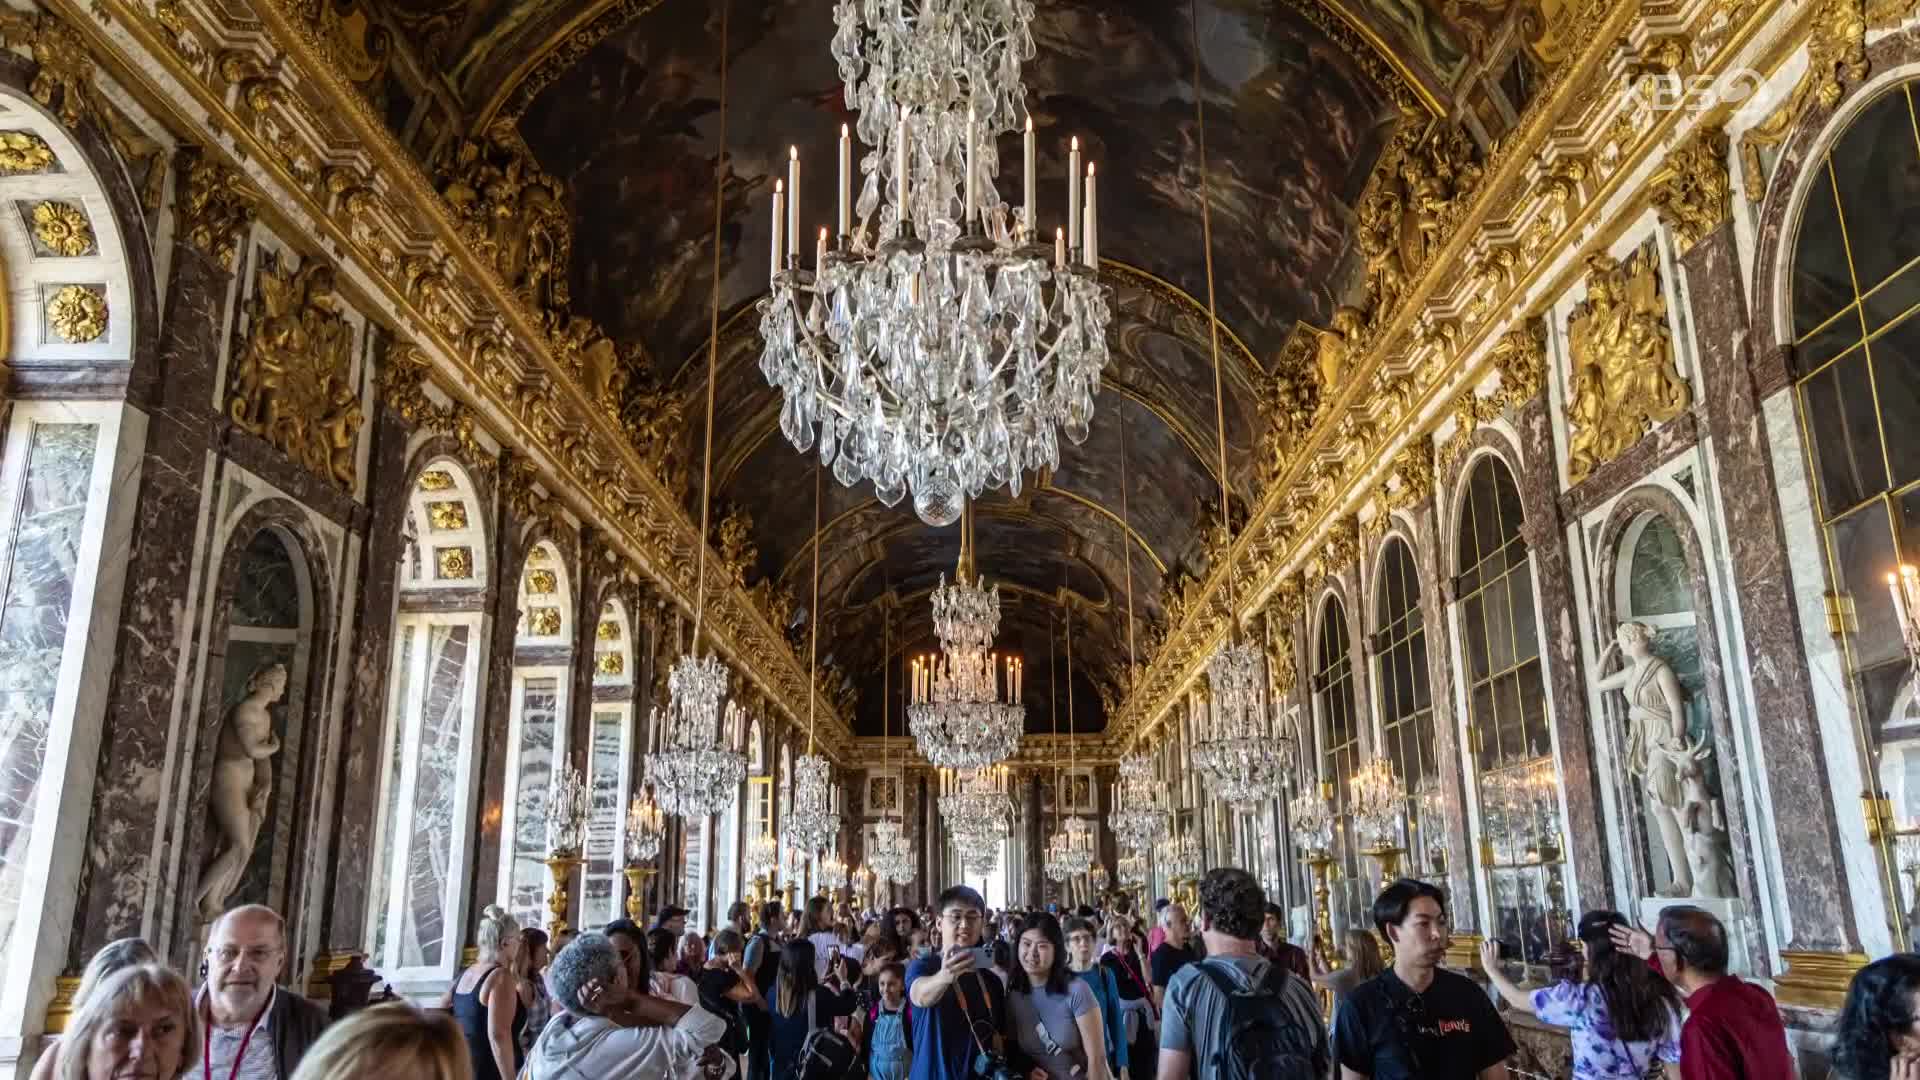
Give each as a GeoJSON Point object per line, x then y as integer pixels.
{"type": "Point", "coordinates": [1195, 1013]}
{"type": "Point", "coordinates": [1044, 1023]}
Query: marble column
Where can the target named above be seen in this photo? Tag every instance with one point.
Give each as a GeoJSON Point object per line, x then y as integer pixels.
{"type": "Point", "coordinates": [1436, 594]}
{"type": "Point", "coordinates": [1804, 827]}
{"type": "Point", "coordinates": [126, 889]}
{"type": "Point", "coordinates": [1033, 871]}
{"type": "Point", "coordinates": [1546, 539]}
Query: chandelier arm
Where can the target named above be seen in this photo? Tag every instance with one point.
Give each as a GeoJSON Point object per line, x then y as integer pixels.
{"type": "Point", "coordinates": [713, 342]}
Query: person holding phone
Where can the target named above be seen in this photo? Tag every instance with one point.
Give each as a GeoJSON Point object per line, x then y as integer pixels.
{"type": "Point", "coordinates": [959, 1004]}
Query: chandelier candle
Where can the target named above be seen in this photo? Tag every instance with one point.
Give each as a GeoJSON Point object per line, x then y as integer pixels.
{"type": "Point", "coordinates": [779, 231]}
{"type": "Point", "coordinates": [1029, 225]}
{"type": "Point", "coordinates": [1091, 242]}
{"type": "Point", "coordinates": [973, 171]}
{"type": "Point", "coordinates": [793, 200]}
{"type": "Point", "coordinates": [845, 199]}
{"type": "Point", "coordinates": [1073, 187]}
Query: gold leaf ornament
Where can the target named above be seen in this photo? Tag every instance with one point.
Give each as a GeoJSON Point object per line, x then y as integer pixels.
{"type": "Point", "coordinates": [63, 229]}
{"type": "Point", "coordinates": [78, 313]}
{"type": "Point", "coordinates": [23, 153]}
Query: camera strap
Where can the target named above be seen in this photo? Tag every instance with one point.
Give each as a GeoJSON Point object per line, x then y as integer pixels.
{"type": "Point", "coordinates": [966, 1010]}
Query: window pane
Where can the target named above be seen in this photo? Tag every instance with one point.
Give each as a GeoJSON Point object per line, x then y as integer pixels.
{"type": "Point", "coordinates": [539, 700]}
{"type": "Point", "coordinates": [1876, 167]}
{"type": "Point", "coordinates": [1822, 284]}
{"type": "Point", "coordinates": [1863, 557]}
{"type": "Point", "coordinates": [1473, 632]}
{"type": "Point", "coordinates": [428, 868]}
{"type": "Point", "coordinates": [599, 888]}
{"type": "Point", "coordinates": [1499, 630]}
{"type": "Point", "coordinates": [1896, 377]}
{"type": "Point", "coordinates": [1846, 433]}
{"type": "Point", "coordinates": [33, 635]}
{"type": "Point", "coordinates": [392, 772]}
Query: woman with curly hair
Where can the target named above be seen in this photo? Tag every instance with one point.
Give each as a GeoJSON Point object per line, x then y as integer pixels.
{"type": "Point", "coordinates": [1879, 1033]}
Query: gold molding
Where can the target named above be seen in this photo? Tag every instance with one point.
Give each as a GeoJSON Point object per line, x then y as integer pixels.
{"type": "Point", "coordinates": [78, 313]}
{"type": "Point", "coordinates": [62, 228]}
{"type": "Point", "coordinates": [1816, 980]}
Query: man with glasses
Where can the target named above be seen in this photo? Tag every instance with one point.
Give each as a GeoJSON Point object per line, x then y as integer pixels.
{"type": "Point", "coordinates": [959, 1005]}
{"type": "Point", "coordinates": [1416, 1021]}
{"type": "Point", "coordinates": [254, 1030]}
{"type": "Point", "coordinates": [1733, 1029]}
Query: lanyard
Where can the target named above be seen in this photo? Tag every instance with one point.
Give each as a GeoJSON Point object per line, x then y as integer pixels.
{"type": "Point", "coordinates": [206, 1042]}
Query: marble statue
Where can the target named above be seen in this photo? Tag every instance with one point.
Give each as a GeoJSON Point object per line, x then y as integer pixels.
{"type": "Point", "coordinates": [1669, 766]}
{"type": "Point", "coordinates": [242, 784]}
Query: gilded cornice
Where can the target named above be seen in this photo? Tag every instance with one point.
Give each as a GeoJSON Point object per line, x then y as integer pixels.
{"type": "Point", "coordinates": [328, 169]}
{"type": "Point", "coordinates": [1543, 186]}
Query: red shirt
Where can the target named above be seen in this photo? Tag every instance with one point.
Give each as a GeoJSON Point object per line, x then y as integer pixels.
{"type": "Point", "coordinates": [1733, 1032]}
{"type": "Point", "coordinates": [1287, 955]}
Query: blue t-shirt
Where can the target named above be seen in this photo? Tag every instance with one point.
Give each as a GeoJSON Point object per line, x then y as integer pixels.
{"type": "Point", "coordinates": [943, 1047]}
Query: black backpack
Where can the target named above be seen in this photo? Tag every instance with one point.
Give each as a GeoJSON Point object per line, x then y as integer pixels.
{"type": "Point", "coordinates": [1261, 1037]}
{"type": "Point", "coordinates": [827, 1054]}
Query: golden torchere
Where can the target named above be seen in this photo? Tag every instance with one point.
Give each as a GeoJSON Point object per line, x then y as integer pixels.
{"type": "Point", "coordinates": [560, 865]}
{"type": "Point", "coordinates": [1322, 864]}
{"type": "Point", "coordinates": [636, 887]}
{"type": "Point", "coordinates": [1389, 858]}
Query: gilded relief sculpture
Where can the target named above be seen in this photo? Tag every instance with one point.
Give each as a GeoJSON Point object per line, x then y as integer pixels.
{"type": "Point", "coordinates": [1669, 766]}
{"type": "Point", "coordinates": [293, 384]}
{"type": "Point", "coordinates": [242, 785]}
{"type": "Point", "coordinates": [1624, 380]}
{"type": "Point", "coordinates": [513, 212]}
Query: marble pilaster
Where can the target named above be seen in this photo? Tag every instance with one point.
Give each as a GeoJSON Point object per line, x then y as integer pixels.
{"type": "Point", "coordinates": [1435, 595]}
{"type": "Point", "coordinates": [147, 714]}
{"type": "Point", "coordinates": [1815, 885]}
{"type": "Point", "coordinates": [509, 551]}
{"type": "Point", "coordinates": [1546, 539]}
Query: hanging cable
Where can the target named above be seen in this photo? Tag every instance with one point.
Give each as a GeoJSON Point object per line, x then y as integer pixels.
{"type": "Point", "coordinates": [713, 343]}
{"type": "Point", "coordinates": [1213, 314]}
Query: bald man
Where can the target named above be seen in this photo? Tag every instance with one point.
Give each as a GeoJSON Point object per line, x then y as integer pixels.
{"type": "Point", "coordinates": [255, 1029]}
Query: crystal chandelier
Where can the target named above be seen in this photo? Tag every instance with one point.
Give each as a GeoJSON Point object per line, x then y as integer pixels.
{"type": "Point", "coordinates": [1097, 877]}
{"type": "Point", "coordinates": [980, 861]}
{"type": "Point", "coordinates": [763, 854]}
{"type": "Point", "coordinates": [1179, 856]}
{"type": "Point", "coordinates": [1310, 820]}
{"type": "Point", "coordinates": [812, 824]}
{"type": "Point", "coordinates": [862, 882]}
{"type": "Point", "coordinates": [977, 808]}
{"type": "Point", "coordinates": [833, 872]}
{"type": "Point", "coordinates": [566, 812]}
{"type": "Point", "coordinates": [1133, 870]}
{"type": "Point", "coordinates": [1234, 747]}
{"type": "Point", "coordinates": [1070, 851]}
{"type": "Point", "coordinates": [696, 772]}
{"type": "Point", "coordinates": [1137, 818]}
{"type": "Point", "coordinates": [1378, 804]}
{"type": "Point", "coordinates": [957, 714]}
{"type": "Point", "coordinates": [936, 345]}
{"type": "Point", "coordinates": [645, 828]}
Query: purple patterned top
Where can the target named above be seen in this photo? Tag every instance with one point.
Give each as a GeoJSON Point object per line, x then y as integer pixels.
{"type": "Point", "coordinates": [1597, 1055]}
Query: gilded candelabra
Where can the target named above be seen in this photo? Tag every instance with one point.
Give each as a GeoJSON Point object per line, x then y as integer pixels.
{"type": "Point", "coordinates": [560, 864]}
{"type": "Point", "coordinates": [566, 829]}
{"type": "Point", "coordinates": [636, 893]}
{"type": "Point", "coordinates": [1310, 816]}
{"type": "Point", "coordinates": [1321, 863]}
{"type": "Point", "coordinates": [1379, 813]}
{"type": "Point", "coordinates": [646, 828]}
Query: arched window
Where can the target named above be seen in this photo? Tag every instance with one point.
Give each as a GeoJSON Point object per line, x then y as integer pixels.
{"type": "Point", "coordinates": [1340, 758]}
{"type": "Point", "coordinates": [1521, 842]}
{"type": "Point", "coordinates": [759, 786]}
{"type": "Point", "coordinates": [536, 730]}
{"type": "Point", "coordinates": [1405, 693]}
{"type": "Point", "coordinates": [423, 846]}
{"type": "Point", "coordinates": [1856, 335]}
{"type": "Point", "coordinates": [609, 765]}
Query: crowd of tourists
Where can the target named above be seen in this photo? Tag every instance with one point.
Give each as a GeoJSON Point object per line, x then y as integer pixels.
{"type": "Point", "coordinates": [957, 992]}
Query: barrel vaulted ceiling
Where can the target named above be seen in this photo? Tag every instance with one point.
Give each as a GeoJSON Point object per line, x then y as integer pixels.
{"type": "Point", "coordinates": [620, 101]}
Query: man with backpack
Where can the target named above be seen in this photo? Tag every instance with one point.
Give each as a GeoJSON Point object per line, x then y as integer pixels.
{"type": "Point", "coordinates": [1237, 1015]}
{"type": "Point", "coordinates": [762, 965]}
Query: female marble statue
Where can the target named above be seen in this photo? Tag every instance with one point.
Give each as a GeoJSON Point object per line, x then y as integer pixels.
{"type": "Point", "coordinates": [242, 783]}
{"type": "Point", "coordinates": [1668, 764]}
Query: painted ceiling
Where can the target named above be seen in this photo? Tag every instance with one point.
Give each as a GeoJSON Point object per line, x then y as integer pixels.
{"type": "Point", "coordinates": [621, 102]}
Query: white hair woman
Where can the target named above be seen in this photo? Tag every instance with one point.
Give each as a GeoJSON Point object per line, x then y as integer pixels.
{"type": "Point", "coordinates": [487, 1001]}
{"type": "Point", "coordinates": [140, 1021]}
{"type": "Point", "coordinates": [389, 1042]}
{"type": "Point", "coordinates": [609, 1029]}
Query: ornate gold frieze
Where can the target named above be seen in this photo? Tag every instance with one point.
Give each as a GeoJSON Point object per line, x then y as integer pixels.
{"type": "Point", "coordinates": [401, 384]}
{"type": "Point", "coordinates": [1692, 191]}
{"type": "Point", "coordinates": [1291, 399]}
{"type": "Point", "coordinates": [1411, 204]}
{"type": "Point", "coordinates": [1623, 380]}
{"type": "Point", "coordinates": [23, 153]}
{"type": "Point", "coordinates": [1340, 550]}
{"type": "Point", "coordinates": [1341, 340]}
{"type": "Point", "coordinates": [78, 313]}
{"type": "Point", "coordinates": [62, 229]}
{"type": "Point", "coordinates": [543, 621]}
{"type": "Point", "coordinates": [512, 212]}
{"type": "Point", "coordinates": [735, 536]}
{"type": "Point", "coordinates": [63, 74]}
{"type": "Point", "coordinates": [455, 563]}
{"type": "Point", "coordinates": [293, 384]}
{"type": "Point", "coordinates": [447, 516]}
{"type": "Point", "coordinates": [542, 582]}
{"type": "Point", "coordinates": [1836, 57]}
{"type": "Point", "coordinates": [214, 207]}
{"type": "Point", "coordinates": [436, 480]}
{"type": "Point", "coordinates": [610, 663]}
{"type": "Point", "coordinates": [1520, 355]}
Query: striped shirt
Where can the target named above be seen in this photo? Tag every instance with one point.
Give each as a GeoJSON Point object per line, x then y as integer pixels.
{"type": "Point", "coordinates": [223, 1044]}
{"type": "Point", "coordinates": [1194, 1018]}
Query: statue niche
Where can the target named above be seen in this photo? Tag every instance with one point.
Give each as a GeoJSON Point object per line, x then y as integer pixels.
{"type": "Point", "coordinates": [293, 385]}
{"type": "Point", "coordinates": [1669, 767]}
{"type": "Point", "coordinates": [242, 785]}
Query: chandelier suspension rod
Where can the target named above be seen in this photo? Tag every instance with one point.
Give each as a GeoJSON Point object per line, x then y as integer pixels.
{"type": "Point", "coordinates": [1213, 314]}
{"type": "Point", "coordinates": [1126, 545]}
{"type": "Point", "coordinates": [713, 347]}
{"type": "Point", "coordinates": [813, 615]}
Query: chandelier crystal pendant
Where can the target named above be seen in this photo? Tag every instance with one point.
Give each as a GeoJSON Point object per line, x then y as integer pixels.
{"type": "Point", "coordinates": [980, 861]}
{"type": "Point", "coordinates": [1235, 748]}
{"type": "Point", "coordinates": [812, 824]}
{"type": "Point", "coordinates": [937, 346]}
{"type": "Point", "coordinates": [957, 714]}
{"type": "Point", "coordinates": [696, 773]}
{"type": "Point", "coordinates": [834, 872]}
